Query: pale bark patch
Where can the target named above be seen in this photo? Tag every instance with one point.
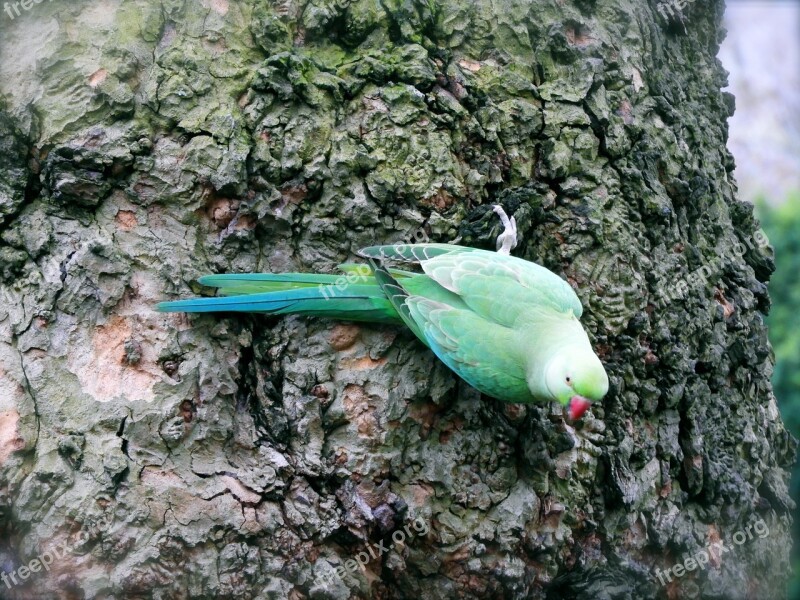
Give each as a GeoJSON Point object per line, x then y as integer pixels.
{"type": "Point", "coordinates": [97, 77]}
{"type": "Point", "coordinates": [363, 363]}
{"type": "Point", "coordinates": [343, 336]}
{"type": "Point", "coordinates": [469, 65]}
{"type": "Point", "coordinates": [11, 392]}
{"type": "Point", "coordinates": [239, 491]}
{"type": "Point", "coordinates": [126, 220]}
{"type": "Point", "coordinates": [221, 7]}
{"type": "Point", "coordinates": [360, 411]}
{"type": "Point", "coordinates": [103, 371]}
{"type": "Point", "coordinates": [10, 440]}
{"type": "Point", "coordinates": [421, 494]}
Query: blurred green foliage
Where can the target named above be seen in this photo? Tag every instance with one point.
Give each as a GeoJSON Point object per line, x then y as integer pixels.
{"type": "Point", "coordinates": [781, 223]}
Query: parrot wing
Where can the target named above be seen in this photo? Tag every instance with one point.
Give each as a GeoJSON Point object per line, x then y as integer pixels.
{"type": "Point", "coordinates": [504, 289]}
{"type": "Point", "coordinates": [416, 253]}
{"type": "Point", "coordinates": [484, 354]}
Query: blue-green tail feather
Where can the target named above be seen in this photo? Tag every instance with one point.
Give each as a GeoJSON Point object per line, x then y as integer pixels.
{"type": "Point", "coordinates": [353, 298]}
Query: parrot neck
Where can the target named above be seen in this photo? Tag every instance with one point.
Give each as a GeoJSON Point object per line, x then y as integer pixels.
{"type": "Point", "coordinates": [554, 340]}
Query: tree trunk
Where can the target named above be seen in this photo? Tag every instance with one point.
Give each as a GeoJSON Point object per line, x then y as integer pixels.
{"type": "Point", "coordinates": [147, 455]}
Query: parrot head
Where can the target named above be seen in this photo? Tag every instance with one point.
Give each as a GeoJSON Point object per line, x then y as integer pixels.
{"type": "Point", "coordinates": [575, 377]}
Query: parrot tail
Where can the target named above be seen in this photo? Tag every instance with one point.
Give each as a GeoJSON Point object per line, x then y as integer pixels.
{"type": "Point", "coordinates": [354, 297]}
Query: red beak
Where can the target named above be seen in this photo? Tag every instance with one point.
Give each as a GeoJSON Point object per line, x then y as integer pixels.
{"type": "Point", "coordinates": [577, 406]}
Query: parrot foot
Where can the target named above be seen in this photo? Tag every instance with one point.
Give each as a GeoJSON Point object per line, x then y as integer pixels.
{"type": "Point", "coordinates": [507, 240]}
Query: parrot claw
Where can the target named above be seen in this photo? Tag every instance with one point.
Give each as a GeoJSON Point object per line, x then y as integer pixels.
{"type": "Point", "coordinates": [507, 240]}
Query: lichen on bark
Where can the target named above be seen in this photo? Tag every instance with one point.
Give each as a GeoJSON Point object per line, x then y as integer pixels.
{"type": "Point", "coordinates": [145, 144]}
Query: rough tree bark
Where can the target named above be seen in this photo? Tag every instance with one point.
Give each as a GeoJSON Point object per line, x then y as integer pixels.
{"type": "Point", "coordinates": [146, 143]}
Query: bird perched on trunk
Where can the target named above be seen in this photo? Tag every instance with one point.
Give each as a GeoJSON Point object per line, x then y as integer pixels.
{"type": "Point", "coordinates": [506, 326]}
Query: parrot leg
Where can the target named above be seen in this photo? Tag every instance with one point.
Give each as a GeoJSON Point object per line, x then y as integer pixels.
{"type": "Point", "coordinates": [507, 240]}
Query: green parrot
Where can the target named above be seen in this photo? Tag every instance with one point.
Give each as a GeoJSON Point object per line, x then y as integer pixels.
{"type": "Point", "coordinates": [506, 326]}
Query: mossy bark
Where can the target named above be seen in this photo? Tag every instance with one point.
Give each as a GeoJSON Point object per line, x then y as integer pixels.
{"type": "Point", "coordinates": [147, 143]}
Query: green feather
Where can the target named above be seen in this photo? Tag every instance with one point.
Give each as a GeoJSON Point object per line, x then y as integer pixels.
{"type": "Point", "coordinates": [355, 302]}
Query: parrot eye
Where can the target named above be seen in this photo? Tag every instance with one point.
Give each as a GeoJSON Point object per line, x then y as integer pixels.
{"type": "Point", "coordinates": [569, 379]}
